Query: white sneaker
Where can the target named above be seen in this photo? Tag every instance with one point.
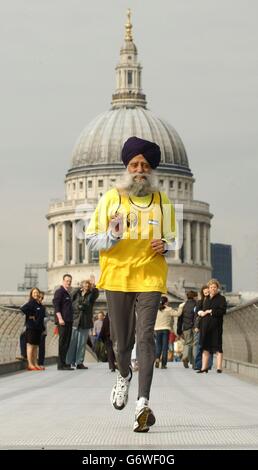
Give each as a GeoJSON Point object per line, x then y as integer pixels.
{"type": "Point", "coordinates": [144, 417]}
{"type": "Point", "coordinates": [119, 394]}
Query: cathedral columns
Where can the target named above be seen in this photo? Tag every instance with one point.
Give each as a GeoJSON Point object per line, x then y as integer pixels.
{"type": "Point", "coordinates": [204, 244]}
{"type": "Point", "coordinates": [196, 250]}
{"type": "Point", "coordinates": [74, 259]}
{"type": "Point", "coordinates": [64, 242]}
{"type": "Point", "coordinates": [63, 245]}
{"type": "Point", "coordinates": [197, 244]}
{"type": "Point", "coordinates": [56, 244]}
{"type": "Point", "coordinates": [177, 258]}
{"type": "Point", "coordinates": [86, 254]}
{"type": "Point", "coordinates": [51, 241]}
{"type": "Point", "coordinates": [208, 245]}
{"type": "Point", "coordinates": [188, 254]}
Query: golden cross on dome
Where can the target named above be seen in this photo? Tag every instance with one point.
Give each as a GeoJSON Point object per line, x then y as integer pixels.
{"type": "Point", "coordinates": [128, 27]}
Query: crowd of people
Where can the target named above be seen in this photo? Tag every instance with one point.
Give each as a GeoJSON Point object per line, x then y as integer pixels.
{"type": "Point", "coordinates": [73, 310]}
{"type": "Point", "coordinates": [187, 333]}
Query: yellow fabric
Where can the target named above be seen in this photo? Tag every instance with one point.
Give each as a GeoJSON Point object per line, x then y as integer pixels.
{"type": "Point", "coordinates": [131, 265]}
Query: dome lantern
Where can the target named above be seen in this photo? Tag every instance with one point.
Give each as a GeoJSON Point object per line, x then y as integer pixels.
{"type": "Point", "coordinates": [128, 74]}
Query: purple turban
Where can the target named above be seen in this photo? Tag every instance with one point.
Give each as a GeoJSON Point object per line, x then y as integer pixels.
{"type": "Point", "coordinates": [135, 146]}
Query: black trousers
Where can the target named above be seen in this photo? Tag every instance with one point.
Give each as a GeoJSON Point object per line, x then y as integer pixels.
{"type": "Point", "coordinates": [121, 310]}
{"type": "Point", "coordinates": [110, 353]}
{"type": "Point", "coordinates": [65, 333]}
{"type": "Point", "coordinates": [42, 350]}
{"type": "Point", "coordinates": [23, 344]}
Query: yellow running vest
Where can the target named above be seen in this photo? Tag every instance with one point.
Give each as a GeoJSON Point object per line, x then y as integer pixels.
{"type": "Point", "coordinates": [131, 265]}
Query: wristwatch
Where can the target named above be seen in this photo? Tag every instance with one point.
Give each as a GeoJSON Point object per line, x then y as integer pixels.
{"type": "Point", "coordinates": [165, 246]}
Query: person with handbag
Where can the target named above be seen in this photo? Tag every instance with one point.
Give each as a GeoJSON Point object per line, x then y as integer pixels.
{"type": "Point", "coordinates": [83, 300]}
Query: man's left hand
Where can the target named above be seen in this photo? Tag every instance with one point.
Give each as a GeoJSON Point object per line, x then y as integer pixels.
{"type": "Point", "coordinates": [158, 246]}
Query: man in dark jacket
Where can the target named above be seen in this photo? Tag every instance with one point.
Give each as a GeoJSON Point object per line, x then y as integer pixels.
{"type": "Point", "coordinates": [83, 300]}
{"type": "Point", "coordinates": [185, 326]}
{"type": "Point", "coordinates": [64, 318]}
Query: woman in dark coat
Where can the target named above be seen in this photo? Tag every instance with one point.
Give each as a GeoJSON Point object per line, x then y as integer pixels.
{"type": "Point", "coordinates": [35, 314]}
{"type": "Point", "coordinates": [211, 326]}
{"type": "Point", "coordinates": [197, 351]}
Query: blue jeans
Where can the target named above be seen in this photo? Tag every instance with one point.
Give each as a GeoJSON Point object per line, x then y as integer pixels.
{"type": "Point", "coordinates": [77, 347]}
{"type": "Point", "coordinates": [162, 345]}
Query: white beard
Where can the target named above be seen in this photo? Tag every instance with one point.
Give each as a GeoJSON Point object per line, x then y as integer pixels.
{"type": "Point", "coordinates": [135, 187]}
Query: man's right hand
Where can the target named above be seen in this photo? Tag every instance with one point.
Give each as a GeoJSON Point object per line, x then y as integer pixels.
{"type": "Point", "coordinates": [61, 322]}
{"type": "Point", "coordinates": [116, 225]}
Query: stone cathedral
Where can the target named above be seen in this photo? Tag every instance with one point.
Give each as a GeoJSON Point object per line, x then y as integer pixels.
{"type": "Point", "coordinates": [96, 167]}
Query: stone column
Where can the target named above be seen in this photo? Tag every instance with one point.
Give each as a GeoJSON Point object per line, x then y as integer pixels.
{"type": "Point", "coordinates": [177, 258]}
{"type": "Point", "coordinates": [204, 244]}
{"type": "Point", "coordinates": [56, 243]}
{"type": "Point", "coordinates": [197, 244]}
{"type": "Point", "coordinates": [86, 254]}
{"type": "Point", "coordinates": [51, 242]}
{"type": "Point", "coordinates": [64, 242]}
{"type": "Point", "coordinates": [74, 259]}
{"type": "Point", "coordinates": [188, 255]}
{"type": "Point", "coordinates": [208, 245]}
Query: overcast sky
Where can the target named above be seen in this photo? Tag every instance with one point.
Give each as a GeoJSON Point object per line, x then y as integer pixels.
{"type": "Point", "coordinates": [200, 72]}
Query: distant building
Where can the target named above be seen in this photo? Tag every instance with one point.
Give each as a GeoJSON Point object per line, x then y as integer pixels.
{"type": "Point", "coordinates": [221, 261]}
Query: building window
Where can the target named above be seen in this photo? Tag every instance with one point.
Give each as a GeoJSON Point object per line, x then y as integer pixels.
{"type": "Point", "coordinates": [129, 57]}
{"type": "Point", "coordinates": [100, 183]}
{"type": "Point", "coordinates": [81, 184]}
{"type": "Point", "coordinates": [89, 184]}
{"type": "Point", "coordinates": [74, 186]}
{"type": "Point", "coordinates": [161, 182]}
{"type": "Point", "coordinates": [171, 184]}
{"type": "Point", "coordinates": [129, 77]}
{"type": "Point", "coordinates": [179, 185]}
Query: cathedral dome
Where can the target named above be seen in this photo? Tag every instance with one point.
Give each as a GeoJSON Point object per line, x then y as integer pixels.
{"type": "Point", "coordinates": [101, 141]}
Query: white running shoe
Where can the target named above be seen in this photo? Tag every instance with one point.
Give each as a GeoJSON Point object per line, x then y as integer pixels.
{"type": "Point", "coordinates": [144, 417]}
{"type": "Point", "coordinates": [119, 394]}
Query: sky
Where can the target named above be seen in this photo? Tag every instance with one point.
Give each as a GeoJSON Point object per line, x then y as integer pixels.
{"type": "Point", "coordinates": [200, 73]}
